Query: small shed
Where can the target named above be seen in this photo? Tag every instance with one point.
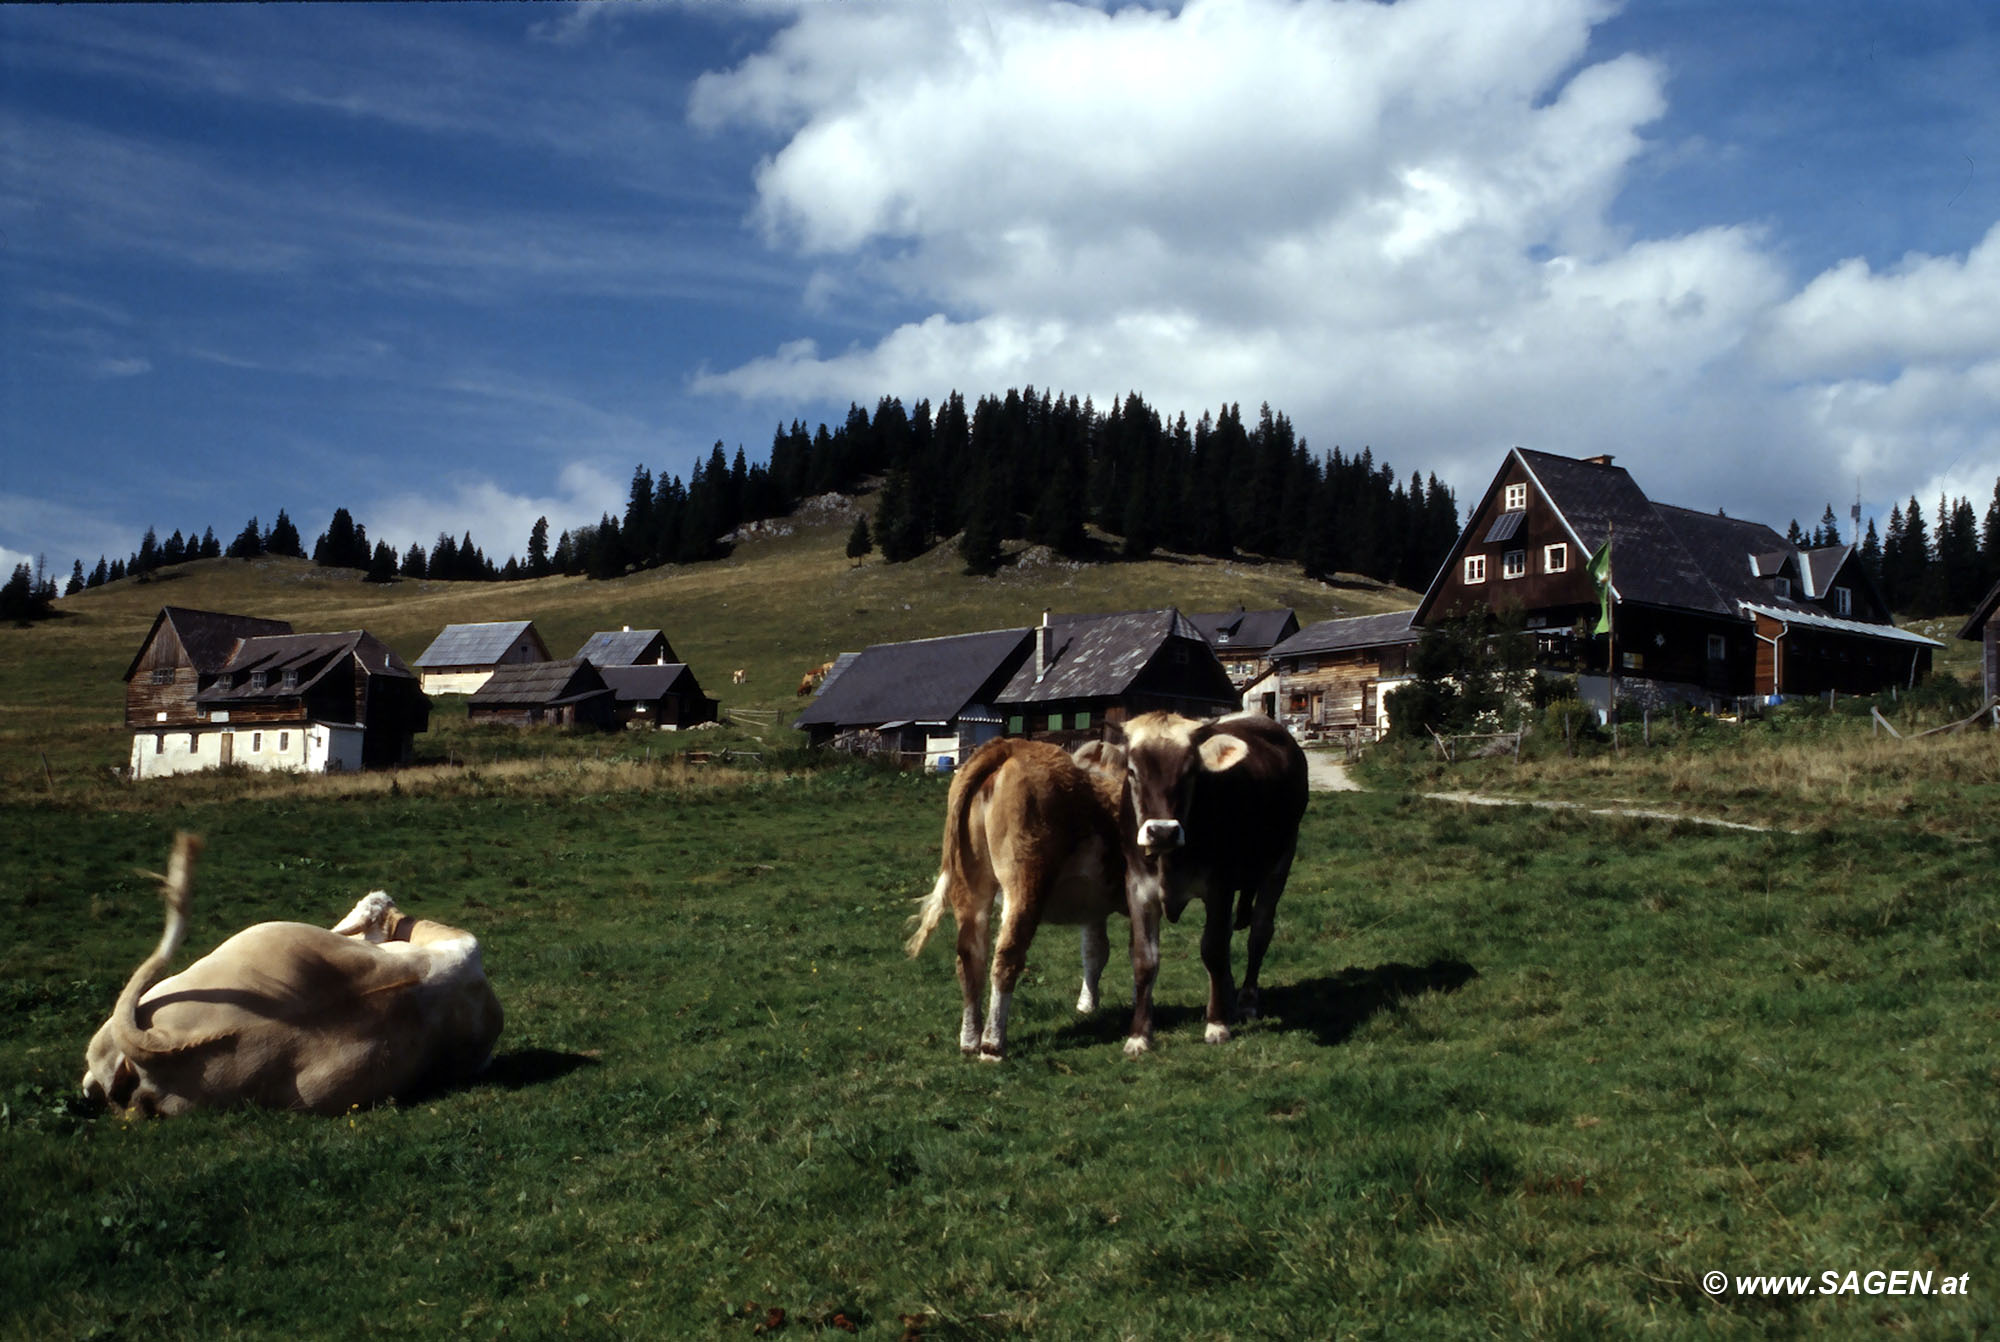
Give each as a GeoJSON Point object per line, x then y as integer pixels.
{"type": "Point", "coordinates": [460, 658]}
{"type": "Point", "coordinates": [1984, 628]}
{"type": "Point", "coordinates": [628, 647]}
{"type": "Point", "coordinates": [659, 696]}
{"type": "Point", "coordinates": [559, 694]}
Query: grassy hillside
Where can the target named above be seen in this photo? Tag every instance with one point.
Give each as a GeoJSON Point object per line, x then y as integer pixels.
{"type": "Point", "coordinates": [778, 606]}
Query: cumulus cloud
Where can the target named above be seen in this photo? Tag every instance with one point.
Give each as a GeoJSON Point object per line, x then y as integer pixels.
{"type": "Point", "coordinates": [1393, 221]}
{"type": "Point", "coordinates": [498, 520]}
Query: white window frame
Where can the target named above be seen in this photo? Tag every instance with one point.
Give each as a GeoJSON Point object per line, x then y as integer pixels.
{"type": "Point", "coordinates": [1843, 601]}
{"type": "Point", "coordinates": [1515, 498]}
{"type": "Point", "coordinates": [1475, 570]}
{"type": "Point", "coordinates": [1782, 587]}
{"type": "Point", "coordinates": [1514, 564]}
{"type": "Point", "coordinates": [1555, 558]}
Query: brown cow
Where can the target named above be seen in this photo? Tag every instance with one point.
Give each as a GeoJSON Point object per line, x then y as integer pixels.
{"type": "Point", "coordinates": [290, 1016]}
{"type": "Point", "coordinates": [1026, 821]}
{"type": "Point", "coordinates": [1213, 814]}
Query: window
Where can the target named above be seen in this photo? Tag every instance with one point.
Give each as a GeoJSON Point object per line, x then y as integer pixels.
{"type": "Point", "coordinates": [1843, 601]}
{"type": "Point", "coordinates": [1718, 648]}
{"type": "Point", "coordinates": [257, 680]}
{"type": "Point", "coordinates": [1516, 498]}
{"type": "Point", "coordinates": [291, 679]}
{"type": "Point", "coordinates": [1475, 569]}
{"type": "Point", "coordinates": [1083, 722]}
{"type": "Point", "coordinates": [1016, 725]}
{"type": "Point", "coordinates": [256, 742]}
{"type": "Point", "coordinates": [1782, 586]}
{"type": "Point", "coordinates": [1555, 558]}
{"type": "Point", "coordinates": [159, 742]}
{"type": "Point", "coordinates": [284, 742]}
{"type": "Point", "coordinates": [1514, 564]}
{"type": "Point", "coordinates": [1055, 722]}
{"type": "Point", "coordinates": [163, 676]}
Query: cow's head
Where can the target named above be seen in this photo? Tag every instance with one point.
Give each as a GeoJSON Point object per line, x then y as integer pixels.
{"type": "Point", "coordinates": [1165, 757]}
{"type": "Point", "coordinates": [109, 1078]}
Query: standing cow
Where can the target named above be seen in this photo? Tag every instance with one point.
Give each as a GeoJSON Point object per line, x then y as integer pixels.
{"type": "Point", "coordinates": [1214, 811]}
{"type": "Point", "coordinates": [1026, 821]}
{"type": "Point", "coordinates": [290, 1016]}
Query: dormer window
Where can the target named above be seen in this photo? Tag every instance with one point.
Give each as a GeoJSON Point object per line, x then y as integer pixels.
{"type": "Point", "coordinates": [1516, 498]}
{"type": "Point", "coordinates": [257, 679]}
{"type": "Point", "coordinates": [1843, 601]}
{"type": "Point", "coordinates": [1782, 587]}
{"type": "Point", "coordinates": [291, 678]}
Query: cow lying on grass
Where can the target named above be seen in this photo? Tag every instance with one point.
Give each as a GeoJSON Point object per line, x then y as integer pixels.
{"type": "Point", "coordinates": [1025, 819]}
{"type": "Point", "coordinates": [1213, 811]}
{"type": "Point", "coordinates": [290, 1016]}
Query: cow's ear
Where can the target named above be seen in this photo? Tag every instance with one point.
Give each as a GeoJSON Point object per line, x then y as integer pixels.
{"type": "Point", "coordinates": [1220, 752]}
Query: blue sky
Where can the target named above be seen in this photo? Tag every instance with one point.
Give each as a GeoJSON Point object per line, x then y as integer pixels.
{"type": "Point", "coordinates": [456, 266]}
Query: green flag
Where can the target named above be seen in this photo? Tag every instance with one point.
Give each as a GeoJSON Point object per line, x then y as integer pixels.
{"type": "Point", "coordinates": [1600, 577]}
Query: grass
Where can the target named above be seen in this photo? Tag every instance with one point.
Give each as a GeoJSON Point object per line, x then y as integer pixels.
{"type": "Point", "coordinates": [1522, 1074]}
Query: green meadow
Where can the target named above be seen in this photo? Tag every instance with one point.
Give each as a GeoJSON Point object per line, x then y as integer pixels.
{"type": "Point", "coordinates": [1522, 1073]}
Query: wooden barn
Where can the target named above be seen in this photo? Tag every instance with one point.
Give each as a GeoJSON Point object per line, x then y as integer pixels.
{"type": "Point", "coordinates": [1706, 608]}
{"type": "Point", "coordinates": [275, 700]}
{"type": "Point", "coordinates": [1334, 678]}
{"type": "Point", "coordinates": [462, 656]}
{"type": "Point", "coordinates": [1085, 672]}
{"type": "Point", "coordinates": [1243, 639]}
{"type": "Point", "coordinates": [555, 694]}
{"type": "Point", "coordinates": [928, 701]}
{"type": "Point", "coordinates": [658, 696]}
{"type": "Point", "coordinates": [628, 647]}
{"type": "Point", "coordinates": [1984, 628]}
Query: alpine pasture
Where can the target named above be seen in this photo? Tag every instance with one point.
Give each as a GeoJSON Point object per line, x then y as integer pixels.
{"type": "Point", "coordinates": [1521, 1073]}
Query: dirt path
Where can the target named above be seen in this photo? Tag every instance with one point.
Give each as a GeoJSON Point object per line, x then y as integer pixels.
{"type": "Point", "coordinates": [1327, 772]}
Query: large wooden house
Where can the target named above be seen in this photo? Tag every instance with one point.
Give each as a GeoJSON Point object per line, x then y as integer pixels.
{"type": "Point", "coordinates": [462, 656]}
{"type": "Point", "coordinates": [935, 700]}
{"type": "Point", "coordinates": [1706, 608]}
{"type": "Point", "coordinates": [208, 690]}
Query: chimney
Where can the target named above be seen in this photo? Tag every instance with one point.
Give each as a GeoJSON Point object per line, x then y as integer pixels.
{"type": "Point", "coordinates": [1042, 647]}
{"type": "Point", "coordinates": [1601, 459]}
{"type": "Point", "coordinates": [627, 629]}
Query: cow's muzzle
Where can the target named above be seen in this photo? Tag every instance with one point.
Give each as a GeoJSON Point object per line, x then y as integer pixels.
{"type": "Point", "coordinates": [1160, 836]}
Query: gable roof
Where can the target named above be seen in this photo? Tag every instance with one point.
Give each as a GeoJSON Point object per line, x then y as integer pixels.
{"type": "Point", "coordinates": [633, 684]}
{"type": "Point", "coordinates": [1390, 629]}
{"type": "Point", "coordinates": [1242, 628]}
{"type": "Point", "coordinates": [925, 680]}
{"type": "Point", "coordinates": [207, 637]}
{"type": "Point", "coordinates": [624, 647]}
{"type": "Point", "coordinates": [477, 644]}
{"type": "Point", "coordinates": [1101, 656]}
{"type": "Point", "coordinates": [311, 656]}
{"type": "Point", "coordinates": [1813, 619]}
{"type": "Point", "coordinates": [540, 683]}
{"type": "Point", "coordinates": [1984, 611]}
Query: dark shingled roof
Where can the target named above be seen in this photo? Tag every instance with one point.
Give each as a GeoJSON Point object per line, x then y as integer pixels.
{"type": "Point", "coordinates": [1650, 563]}
{"type": "Point", "coordinates": [540, 683]}
{"type": "Point", "coordinates": [926, 680]}
{"type": "Point", "coordinates": [310, 656]}
{"type": "Point", "coordinates": [634, 684]}
{"type": "Point", "coordinates": [208, 637]}
{"type": "Point", "coordinates": [1976, 626]}
{"type": "Point", "coordinates": [476, 644]}
{"type": "Point", "coordinates": [624, 647]}
{"type": "Point", "coordinates": [1100, 656]}
{"type": "Point", "coordinates": [1357, 631]}
{"type": "Point", "coordinates": [1242, 628]}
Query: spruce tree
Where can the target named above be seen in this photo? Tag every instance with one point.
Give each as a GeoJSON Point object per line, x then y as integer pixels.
{"type": "Point", "coordinates": [284, 538]}
{"type": "Point", "coordinates": [538, 548]}
{"type": "Point", "coordinates": [859, 542]}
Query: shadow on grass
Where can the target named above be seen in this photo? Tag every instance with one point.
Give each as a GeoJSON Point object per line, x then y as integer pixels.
{"type": "Point", "coordinates": [524, 1067]}
{"type": "Point", "coordinates": [1330, 1008]}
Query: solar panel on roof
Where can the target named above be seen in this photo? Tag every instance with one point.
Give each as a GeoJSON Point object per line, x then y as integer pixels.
{"type": "Point", "coordinates": [1504, 527]}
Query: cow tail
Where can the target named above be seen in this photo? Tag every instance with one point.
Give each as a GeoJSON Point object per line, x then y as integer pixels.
{"type": "Point", "coordinates": [930, 912]}
{"type": "Point", "coordinates": [176, 891]}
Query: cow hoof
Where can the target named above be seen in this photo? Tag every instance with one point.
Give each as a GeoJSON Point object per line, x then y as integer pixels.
{"type": "Point", "coordinates": [1246, 1005]}
{"type": "Point", "coordinates": [1216, 1034]}
{"type": "Point", "coordinates": [990, 1055]}
{"type": "Point", "coordinates": [1086, 1003]}
{"type": "Point", "coordinates": [1138, 1046]}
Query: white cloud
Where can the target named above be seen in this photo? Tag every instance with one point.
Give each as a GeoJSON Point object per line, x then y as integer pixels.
{"type": "Point", "coordinates": [499, 521]}
{"type": "Point", "coordinates": [1392, 221]}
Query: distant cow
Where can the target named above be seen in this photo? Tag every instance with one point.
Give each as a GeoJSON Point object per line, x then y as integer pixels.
{"type": "Point", "coordinates": [1025, 820]}
{"type": "Point", "coordinates": [290, 1016]}
{"type": "Point", "coordinates": [739, 676]}
{"type": "Point", "coordinates": [814, 678]}
{"type": "Point", "coordinates": [1215, 811]}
